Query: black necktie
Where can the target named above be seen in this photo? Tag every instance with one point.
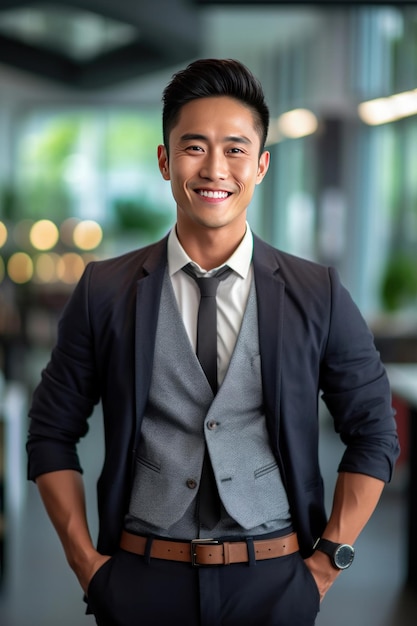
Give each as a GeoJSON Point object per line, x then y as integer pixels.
{"type": "Point", "coordinates": [207, 355]}
{"type": "Point", "coordinates": [207, 321]}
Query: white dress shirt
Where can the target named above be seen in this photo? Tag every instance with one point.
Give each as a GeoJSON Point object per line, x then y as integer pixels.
{"type": "Point", "coordinates": [232, 295]}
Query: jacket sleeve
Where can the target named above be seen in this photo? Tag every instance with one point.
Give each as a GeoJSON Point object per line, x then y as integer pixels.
{"type": "Point", "coordinates": [67, 393]}
{"type": "Point", "coordinates": [356, 390]}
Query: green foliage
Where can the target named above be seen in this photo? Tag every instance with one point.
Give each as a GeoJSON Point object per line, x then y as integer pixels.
{"type": "Point", "coordinates": [54, 145]}
{"type": "Point", "coordinates": [45, 198]}
{"type": "Point", "coordinates": [43, 190]}
{"type": "Point", "coordinates": [133, 215]}
{"type": "Point", "coordinates": [8, 203]}
{"type": "Point", "coordinates": [114, 146]}
{"type": "Point", "coordinates": [399, 285]}
{"type": "Point", "coordinates": [132, 138]}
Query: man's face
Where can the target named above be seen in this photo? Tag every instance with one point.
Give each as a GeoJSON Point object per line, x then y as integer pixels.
{"type": "Point", "coordinates": [213, 164]}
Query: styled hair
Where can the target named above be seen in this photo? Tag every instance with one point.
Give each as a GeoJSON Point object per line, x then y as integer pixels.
{"type": "Point", "coordinates": [207, 78]}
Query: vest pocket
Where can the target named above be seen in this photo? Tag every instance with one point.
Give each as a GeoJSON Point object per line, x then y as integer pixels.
{"type": "Point", "coordinates": [266, 469]}
{"type": "Point", "coordinates": [151, 465]}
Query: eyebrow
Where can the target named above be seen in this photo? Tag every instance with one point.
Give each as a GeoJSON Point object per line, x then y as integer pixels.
{"type": "Point", "coordinates": [231, 138]}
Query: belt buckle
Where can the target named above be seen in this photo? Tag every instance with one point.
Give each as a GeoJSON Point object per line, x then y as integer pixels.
{"type": "Point", "coordinates": [204, 542]}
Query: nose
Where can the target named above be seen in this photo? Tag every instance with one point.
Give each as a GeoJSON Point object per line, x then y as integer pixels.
{"type": "Point", "coordinates": [214, 166]}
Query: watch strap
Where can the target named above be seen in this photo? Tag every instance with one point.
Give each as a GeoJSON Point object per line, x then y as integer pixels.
{"type": "Point", "coordinates": [340, 554]}
{"type": "Point", "coordinates": [326, 546]}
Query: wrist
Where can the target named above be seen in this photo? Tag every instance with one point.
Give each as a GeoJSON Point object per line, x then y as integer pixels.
{"type": "Point", "coordinates": [84, 567]}
{"type": "Point", "coordinates": [341, 555]}
{"type": "Point", "coordinates": [80, 556]}
{"type": "Point", "coordinates": [321, 565]}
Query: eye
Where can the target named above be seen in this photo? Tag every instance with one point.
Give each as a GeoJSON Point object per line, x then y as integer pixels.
{"type": "Point", "coordinates": [194, 148]}
{"type": "Point", "coordinates": [235, 151]}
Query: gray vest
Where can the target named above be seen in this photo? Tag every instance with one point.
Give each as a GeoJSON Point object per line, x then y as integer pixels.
{"type": "Point", "coordinates": [182, 417]}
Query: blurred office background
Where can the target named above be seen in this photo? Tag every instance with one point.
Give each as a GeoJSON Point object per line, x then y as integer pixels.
{"type": "Point", "coordinates": [80, 119]}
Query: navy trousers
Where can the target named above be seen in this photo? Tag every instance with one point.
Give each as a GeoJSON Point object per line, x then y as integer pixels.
{"type": "Point", "coordinates": [129, 590]}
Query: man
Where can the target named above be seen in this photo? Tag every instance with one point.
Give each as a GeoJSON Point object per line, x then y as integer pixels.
{"type": "Point", "coordinates": [287, 330]}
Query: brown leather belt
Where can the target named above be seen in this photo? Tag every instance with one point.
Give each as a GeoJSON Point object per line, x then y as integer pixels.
{"type": "Point", "coordinates": [202, 552]}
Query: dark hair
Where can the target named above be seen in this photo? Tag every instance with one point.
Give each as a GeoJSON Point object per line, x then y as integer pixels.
{"type": "Point", "coordinates": [207, 78]}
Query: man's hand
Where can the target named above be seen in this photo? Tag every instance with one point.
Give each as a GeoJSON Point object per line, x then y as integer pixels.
{"type": "Point", "coordinates": [63, 495]}
{"type": "Point", "coordinates": [86, 572]}
{"type": "Point", "coordinates": [322, 571]}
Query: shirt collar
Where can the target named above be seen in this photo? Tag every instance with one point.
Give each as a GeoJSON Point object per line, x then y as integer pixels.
{"type": "Point", "coordinates": [239, 261]}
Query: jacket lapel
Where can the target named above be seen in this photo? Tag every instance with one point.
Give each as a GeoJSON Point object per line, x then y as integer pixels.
{"type": "Point", "coordinates": [148, 295]}
{"type": "Point", "coordinates": [270, 289]}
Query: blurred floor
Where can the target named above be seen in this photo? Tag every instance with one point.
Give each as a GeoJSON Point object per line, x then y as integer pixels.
{"type": "Point", "coordinates": [41, 591]}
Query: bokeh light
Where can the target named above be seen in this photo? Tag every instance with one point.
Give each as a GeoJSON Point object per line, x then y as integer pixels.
{"type": "Point", "coordinates": [44, 235]}
{"type": "Point", "coordinates": [20, 268]}
{"type": "Point", "coordinates": [46, 265]}
{"type": "Point", "coordinates": [70, 267]}
{"type": "Point", "coordinates": [3, 234]}
{"type": "Point", "coordinates": [87, 235]}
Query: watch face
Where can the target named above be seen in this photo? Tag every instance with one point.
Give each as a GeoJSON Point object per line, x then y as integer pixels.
{"type": "Point", "coordinates": [343, 556]}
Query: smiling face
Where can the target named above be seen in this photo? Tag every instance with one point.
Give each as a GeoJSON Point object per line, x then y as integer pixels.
{"type": "Point", "coordinates": [213, 165]}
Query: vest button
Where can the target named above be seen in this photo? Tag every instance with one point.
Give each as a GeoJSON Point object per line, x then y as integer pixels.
{"type": "Point", "coordinates": [191, 483]}
{"type": "Point", "coordinates": [212, 425]}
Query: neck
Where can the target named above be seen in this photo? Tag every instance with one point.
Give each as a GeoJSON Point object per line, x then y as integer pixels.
{"type": "Point", "coordinates": [209, 249]}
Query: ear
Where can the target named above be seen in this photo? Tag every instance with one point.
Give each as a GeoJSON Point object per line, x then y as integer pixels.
{"type": "Point", "coordinates": [163, 162]}
{"type": "Point", "coordinates": [263, 166]}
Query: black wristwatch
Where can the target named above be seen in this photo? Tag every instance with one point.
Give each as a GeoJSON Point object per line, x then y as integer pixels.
{"type": "Point", "coordinates": [341, 554]}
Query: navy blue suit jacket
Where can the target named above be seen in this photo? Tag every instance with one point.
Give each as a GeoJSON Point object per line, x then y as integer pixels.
{"type": "Point", "coordinates": [312, 340]}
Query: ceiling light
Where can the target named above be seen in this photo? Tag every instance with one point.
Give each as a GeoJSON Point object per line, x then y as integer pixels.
{"type": "Point", "coordinates": [389, 109]}
{"type": "Point", "coordinates": [297, 123]}
{"type": "Point", "coordinates": [73, 31]}
{"type": "Point", "coordinates": [292, 125]}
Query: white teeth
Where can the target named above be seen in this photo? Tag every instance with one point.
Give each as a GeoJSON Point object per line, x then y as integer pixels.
{"type": "Point", "coordinates": [213, 194]}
